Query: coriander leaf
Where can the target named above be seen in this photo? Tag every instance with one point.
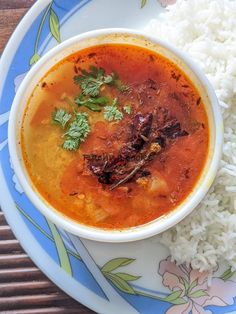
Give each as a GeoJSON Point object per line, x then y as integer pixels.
{"type": "Point", "coordinates": [121, 86]}
{"type": "Point", "coordinates": [77, 131]}
{"type": "Point", "coordinates": [93, 104]}
{"type": "Point", "coordinates": [109, 78]}
{"type": "Point", "coordinates": [115, 102]}
{"type": "Point", "coordinates": [91, 86]}
{"type": "Point", "coordinates": [79, 128]}
{"type": "Point", "coordinates": [112, 113]}
{"type": "Point", "coordinates": [61, 117]}
{"type": "Point", "coordinates": [92, 107]}
{"type": "Point", "coordinates": [80, 101]}
{"type": "Point", "coordinates": [127, 109]}
{"type": "Point", "coordinates": [91, 82]}
{"type": "Point", "coordinates": [118, 83]}
{"type": "Point", "coordinates": [69, 102]}
{"type": "Point", "coordinates": [100, 100]}
{"type": "Point", "coordinates": [71, 144]}
{"type": "Point", "coordinates": [74, 130]}
{"type": "Point", "coordinates": [96, 72]}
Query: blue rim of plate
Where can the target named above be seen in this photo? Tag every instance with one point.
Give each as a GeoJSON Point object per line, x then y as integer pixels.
{"type": "Point", "coordinates": [52, 249]}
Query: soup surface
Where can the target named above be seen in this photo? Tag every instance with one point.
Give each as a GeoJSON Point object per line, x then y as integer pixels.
{"type": "Point", "coordinates": [115, 136]}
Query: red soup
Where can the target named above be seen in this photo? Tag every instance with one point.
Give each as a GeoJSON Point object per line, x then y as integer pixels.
{"type": "Point", "coordinates": [115, 136]}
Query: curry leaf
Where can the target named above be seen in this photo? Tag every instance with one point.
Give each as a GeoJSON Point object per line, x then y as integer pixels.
{"type": "Point", "coordinates": [173, 296]}
{"type": "Point", "coordinates": [198, 294]}
{"type": "Point", "coordinates": [120, 283]}
{"type": "Point", "coordinates": [143, 3]}
{"type": "Point", "coordinates": [54, 26]}
{"type": "Point", "coordinates": [127, 277]}
{"type": "Point", "coordinates": [116, 263]}
{"type": "Point", "coordinates": [35, 58]}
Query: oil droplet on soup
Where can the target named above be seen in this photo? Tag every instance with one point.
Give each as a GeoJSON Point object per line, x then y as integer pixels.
{"type": "Point", "coordinates": [115, 136]}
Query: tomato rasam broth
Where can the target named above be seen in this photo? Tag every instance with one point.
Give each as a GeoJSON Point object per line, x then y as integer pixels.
{"type": "Point", "coordinates": [115, 136]}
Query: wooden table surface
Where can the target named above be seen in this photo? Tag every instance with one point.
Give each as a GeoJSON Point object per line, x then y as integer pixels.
{"type": "Point", "coordinates": [24, 289]}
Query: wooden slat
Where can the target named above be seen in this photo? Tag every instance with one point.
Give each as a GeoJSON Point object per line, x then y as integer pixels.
{"type": "Point", "coordinates": [48, 310]}
{"type": "Point", "coordinates": [15, 4]}
{"type": "Point", "coordinates": [10, 246]}
{"type": "Point", "coordinates": [19, 274]}
{"type": "Point", "coordinates": [17, 260]}
{"type": "Point", "coordinates": [22, 288]}
{"type": "Point", "coordinates": [8, 20]}
{"type": "Point", "coordinates": [40, 300]}
{"type": "Point", "coordinates": [2, 219]}
{"type": "Point", "coordinates": [6, 233]}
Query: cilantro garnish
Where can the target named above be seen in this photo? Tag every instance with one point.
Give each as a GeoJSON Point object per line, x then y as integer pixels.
{"type": "Point", "coordinates": [112, 113]}
{"type": "Point", "coordinates": [61, 117]}
{"type": "Point", "coordinates": [71, 144]}
{"type": "Point", "coordinates": [91, 82]}
{"type": "Point", "coordinates": [77, 130]}
{"type": "Point", "coordinates": [120, 85]}
{"type": "Point", "coordinates": [76, 124]}
{"type": "Point", "coordinates": [93, 104]}
{"type": "Point", "coordinates": [127, 109]}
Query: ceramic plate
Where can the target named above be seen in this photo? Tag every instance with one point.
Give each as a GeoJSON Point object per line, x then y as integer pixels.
{"type": "Point", "coordinates": [136, 277]}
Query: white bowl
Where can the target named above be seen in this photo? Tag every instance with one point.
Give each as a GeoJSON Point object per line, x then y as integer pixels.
{"type": "Point", "coordinates": [134, 38]}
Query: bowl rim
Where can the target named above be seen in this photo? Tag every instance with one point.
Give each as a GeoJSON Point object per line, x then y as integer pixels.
{"type": "Point", "coordinates": [134, 233]}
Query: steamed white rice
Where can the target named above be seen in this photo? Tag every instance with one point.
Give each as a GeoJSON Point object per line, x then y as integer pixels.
{"type": "Point", "coordinates": [206, 29]}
